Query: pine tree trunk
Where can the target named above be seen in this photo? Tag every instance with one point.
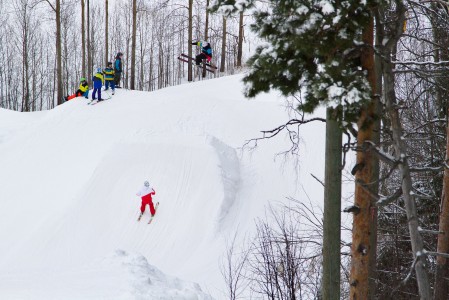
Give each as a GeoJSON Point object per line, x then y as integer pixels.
{"type": "Point", "coordinates": [442, 267]}
{"type": "Point", "coordinates": [89, 50]}
{"type": "Point", "coordinates": [223, 47]}
{"type": "Point", "coordinates": [106, 32]}
{"type": "Point", "coordinates": [240, 41]}
{"type": "Point", "coordinates": [59, 53]}
{"type": "Point", "coordinates": [206, 33]}
{"type": "Point", "coordinates": [442, 264]}
{"type": "Point", "coordinates": [377, 88]}
{"type": "Point", "coordinates": [83, 39]}
{"type": "Point", "coordinates": [25, 65]}
{"type": "Point", "coordinates": [332, 208]}
{"type": "Point", "coordinates": [133, 47]}
{"type": "Point", "coordinates": [365, 218]}
{"type": "Point", "coordinates": [189, 64]}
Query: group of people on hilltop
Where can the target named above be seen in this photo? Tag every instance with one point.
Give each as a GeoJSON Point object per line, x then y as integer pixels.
{"type": "Point", "coordinates": [109, 77]}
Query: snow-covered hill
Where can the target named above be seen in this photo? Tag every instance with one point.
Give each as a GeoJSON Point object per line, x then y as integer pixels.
{"type": "Point", "coordinates": [69, 176]}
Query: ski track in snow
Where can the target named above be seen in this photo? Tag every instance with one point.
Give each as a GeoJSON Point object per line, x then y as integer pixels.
{"type": "Point", "coordinates": [72, 173]}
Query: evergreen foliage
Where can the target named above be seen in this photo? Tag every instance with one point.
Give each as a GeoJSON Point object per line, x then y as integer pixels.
{"type": "Point", "coordinates": [312, 46]}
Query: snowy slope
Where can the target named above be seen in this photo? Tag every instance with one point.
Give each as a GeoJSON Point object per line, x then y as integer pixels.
{"type": "Point", "coordinates": [68, 178]}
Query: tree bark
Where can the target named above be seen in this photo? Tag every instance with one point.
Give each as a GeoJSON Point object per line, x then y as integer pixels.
{"type": "Point", "coordinates": [364, 220]}
{"type": "Point", "coordinates": [89, 50]}
{"type": "Point", "coordinates": [223, 47]}
{"type": "Point", "coordinates": [83, 39]}
{"type": "Point", "coordinates": [206, 32]}
{"type": "Point", "coordinates": [133, 47]}
{"type": "Point", "coordinates": [240, 41]}
{"type": "Point", "coordinates": [377, 90]}
{"type": "Point", "coordinates": [59, 95]}
{"type": "Point", "coordinates": [106, 33]}
{"type": "Point", "coordinates": [332, 208]}
{"type": "Point", "coordinates": [442, 264]}
{"type": "Point", "coordinates": [189, 64]}
{"type": "Point", "coordinates": [25, 63]}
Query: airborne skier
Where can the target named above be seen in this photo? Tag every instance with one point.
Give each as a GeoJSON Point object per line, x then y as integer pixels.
{"type": "Point", "coordinates": [206, 52]}
{"type": "Point", "coordinates": [146, 192]}
{"type": "Point", "coordinates": [203, 58]}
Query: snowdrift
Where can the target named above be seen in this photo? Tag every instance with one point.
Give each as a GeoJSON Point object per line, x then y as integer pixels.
{"type": "Point", "coordinates": [69, 176]}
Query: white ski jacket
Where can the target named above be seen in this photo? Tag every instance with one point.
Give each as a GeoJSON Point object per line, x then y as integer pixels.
{"type": "Point", "coordinates": [145, 191]}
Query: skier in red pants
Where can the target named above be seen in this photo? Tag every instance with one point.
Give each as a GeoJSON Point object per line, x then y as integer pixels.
{"type": "Point", "coordinates": [146, 192]}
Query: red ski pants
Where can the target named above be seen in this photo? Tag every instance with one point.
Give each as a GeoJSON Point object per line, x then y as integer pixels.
{"type": "Point", "coordinates": [147, 200]}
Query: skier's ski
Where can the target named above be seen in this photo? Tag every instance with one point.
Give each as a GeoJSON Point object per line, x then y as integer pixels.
{"type": "Point", "coordinates": [91, 102]}
{"type": "Point", "coordinates": [96, 101]}
{"type": "Point", "coordinates": [192, 58]}
{"type": "Point", "coordinates": [199, 66]}
{"type": "Point", "coordinates": [155, 210]}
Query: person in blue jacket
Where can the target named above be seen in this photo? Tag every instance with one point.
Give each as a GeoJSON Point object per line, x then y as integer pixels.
{"type": "Point", "coordinates": [206, 52]}
{"type": "Point", "coordinates": [118, 68]}
{"type": "Point", "coordinates": [98, 83]}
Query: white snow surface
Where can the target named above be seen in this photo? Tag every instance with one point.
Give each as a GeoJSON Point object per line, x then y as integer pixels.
{"type": "Point", "coordinates": [68, 176]}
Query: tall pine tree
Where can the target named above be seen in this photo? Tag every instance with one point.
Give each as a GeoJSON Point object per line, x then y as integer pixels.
{"type": "Point", "coordinates": [311, 45]}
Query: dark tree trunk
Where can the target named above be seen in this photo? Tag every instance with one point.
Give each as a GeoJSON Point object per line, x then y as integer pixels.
{"type": "Point", "coordinates": [59, 52]}
{"type": "Point", "coordinates": [332, 208]}
{"type": "Point", "coordinates": [89, 50]}
{"type": "Point", "coordinates": [133, 47]}
{"type": "Point", "coordinates": [189, 64]}
{"type": "Point", "coordinates": [441, 37]}
{"type": "Point", "coordinates": [240, 42]}
{"type": "Point", "coordinates": [223, 47]}
{"type": "Point", "coordinates": [206, 33]}
{"type": "Point", "coordinates": [83, 39]}
{"type": "Point", "coordinates": [106, 32]}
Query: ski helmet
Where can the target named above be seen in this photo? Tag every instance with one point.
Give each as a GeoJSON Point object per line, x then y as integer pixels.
{"type": "Point", "coordinates": [82, 79]}
{"type": "Point", "coordinates": [99, 70]}
{"type": "Point", "coordinates": [204, 44]}
{"type": "Point", "coordinates": [109, 63]}
{"type": "Point", "coordinates": [146, 183]}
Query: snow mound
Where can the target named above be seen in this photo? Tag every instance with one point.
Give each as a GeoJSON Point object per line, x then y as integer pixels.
{"type": "Point", "coordinates": [230, 174]}
{"type": "Point", "coordinates": [119, 276]}
{"type": "Point", "coordinates": [72, 174]}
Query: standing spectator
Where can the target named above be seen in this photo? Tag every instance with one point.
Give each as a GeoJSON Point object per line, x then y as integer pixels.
{"type": "Point", "coordinates": [98, 83]}
{"type": "Point", "coordinates": [109, 78]}
{"type": "Point", "coordinates": [118, 68]}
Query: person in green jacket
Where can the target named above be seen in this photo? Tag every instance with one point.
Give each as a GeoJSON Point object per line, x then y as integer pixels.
{"type": "Point", "coordinates": [83, 90]}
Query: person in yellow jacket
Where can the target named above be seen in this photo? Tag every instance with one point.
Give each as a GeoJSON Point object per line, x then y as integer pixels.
{"type": "Point", "coordinates": [109, 78]}
{"type": "Point", "coordinates": [98, 83]}
{"type": "Point", "coordinates": [83, 90]}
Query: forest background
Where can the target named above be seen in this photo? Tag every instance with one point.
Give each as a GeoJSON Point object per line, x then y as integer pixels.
{"type": "Point", "coordinates": [36, 73]}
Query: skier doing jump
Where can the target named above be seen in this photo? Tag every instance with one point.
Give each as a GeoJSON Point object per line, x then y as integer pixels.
{"type": "Point", "coordinates": [206, 52]}
{"type": "Point", "coordinates": [146, 192]}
